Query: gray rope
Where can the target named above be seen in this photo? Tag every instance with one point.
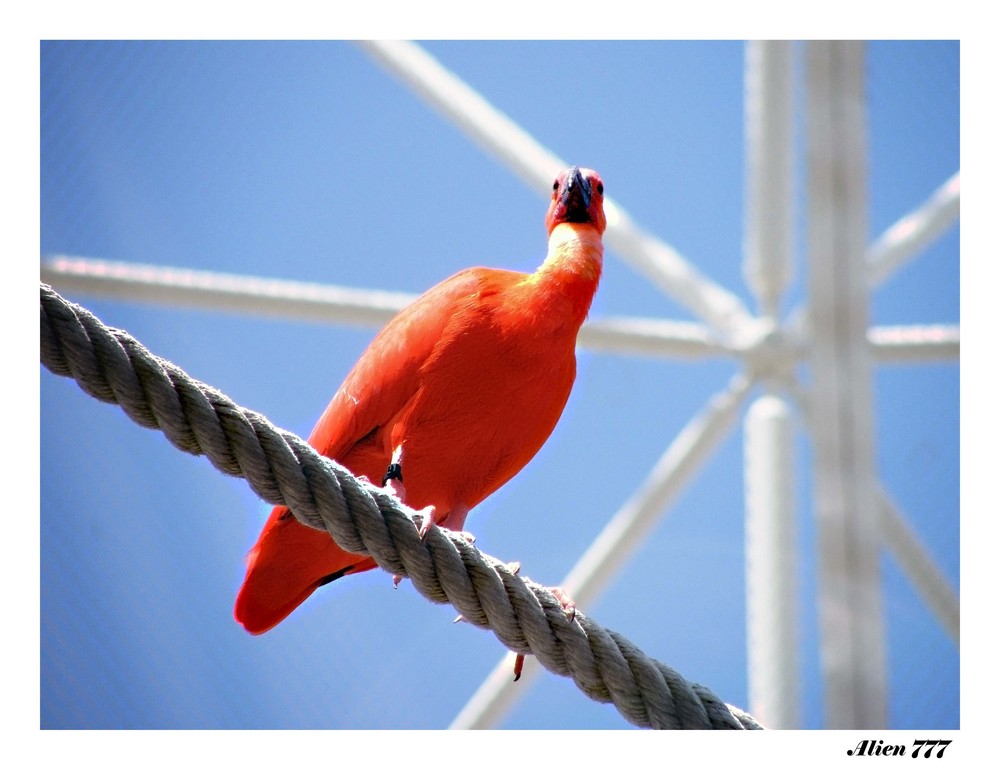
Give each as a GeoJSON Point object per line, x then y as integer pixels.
{"type": "Point", "coordinates": [283, 469]}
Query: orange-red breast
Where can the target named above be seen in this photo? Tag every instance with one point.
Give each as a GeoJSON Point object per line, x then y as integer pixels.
{"type": "Point", "coordinates": [450, 399]}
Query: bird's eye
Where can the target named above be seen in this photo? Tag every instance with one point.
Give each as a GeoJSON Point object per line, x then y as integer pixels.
{"type": "Point", "coordinates": [600, 188]}
{"type": "Point", "coordinates": [555, 184]}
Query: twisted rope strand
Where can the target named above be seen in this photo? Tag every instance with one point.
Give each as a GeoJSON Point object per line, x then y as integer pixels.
{"type": "Point", "coordinates": [282, 469]}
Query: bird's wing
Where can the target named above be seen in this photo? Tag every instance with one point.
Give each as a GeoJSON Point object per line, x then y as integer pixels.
{"type": "Point", "coordinates": [387, 374]}
{"type": "Point", "coordinates": [290, 560]}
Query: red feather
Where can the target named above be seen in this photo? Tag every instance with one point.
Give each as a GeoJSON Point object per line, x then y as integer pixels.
{"type": "Point", "coordinates": [469, 380]}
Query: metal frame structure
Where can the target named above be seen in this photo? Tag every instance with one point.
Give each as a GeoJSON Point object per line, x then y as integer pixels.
{"type": "Point", "coordinates": [831, 336]}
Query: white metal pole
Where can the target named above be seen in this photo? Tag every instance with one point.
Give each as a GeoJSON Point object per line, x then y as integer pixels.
{"type": "Point", "coordinates": [908, 344]}
{"type": "Point", "coordinates": [914, 559]}
{"type": "Point", "coordinates": [616, 542]}
{"type": "Point", "coordinates": [537, 165]}
{"type": "Point", "coordinates": [768, 434]}
{"type": "Point", "coordinates": [300, 300]}
{"type": "Point", "coordinates": [852, 654]}
{"type": "Point", "coordinates": [770, 134]}
{"type": "Point", "coordinates": [905, 239]}
{"type": "Point", "coordinates": [771, 568]}
{"type": "Point", "coordinates": [908, 237]}
{"type": "Point", "coordinates": [227, 292]}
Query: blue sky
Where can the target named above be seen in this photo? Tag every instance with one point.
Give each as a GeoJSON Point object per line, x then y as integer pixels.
{"type": "Point", "coordinates": [307, 161]}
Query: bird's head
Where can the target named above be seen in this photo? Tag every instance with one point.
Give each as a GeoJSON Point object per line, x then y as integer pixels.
{"type": "Point", "coordinates": [577, 196]}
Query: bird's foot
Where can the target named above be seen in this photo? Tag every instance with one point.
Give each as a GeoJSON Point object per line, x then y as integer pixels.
{"type": "Point", "coordinates": [395, 488]}
{"type": "Point", "coordinates": [518, 666]}
{"type": "Point", "coordinates": [392, 479]}
{"type": "Point", "coordinates": [393, 482]}
{"type": "Point", "coordinates": [569, 607]}
{"type": "Point", "coordinates": [427, 516]}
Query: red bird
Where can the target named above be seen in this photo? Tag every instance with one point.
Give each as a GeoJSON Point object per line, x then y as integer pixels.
{"type": "Point", "coordinates": [450, 400]}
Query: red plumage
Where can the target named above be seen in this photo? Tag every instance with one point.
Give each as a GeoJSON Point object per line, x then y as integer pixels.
{"type": "Point", "coordinates": [467, 382]}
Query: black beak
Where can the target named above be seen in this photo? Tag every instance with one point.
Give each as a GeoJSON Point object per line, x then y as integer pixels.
{"type": "Point", "coordinates": [574, 197]}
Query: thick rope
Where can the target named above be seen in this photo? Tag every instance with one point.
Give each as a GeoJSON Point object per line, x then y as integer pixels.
{"type": "Point", "coordinates": [283, 469]}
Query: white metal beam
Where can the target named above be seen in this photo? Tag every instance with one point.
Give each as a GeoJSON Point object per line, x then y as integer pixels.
{"type": "Point", "coordinates": [771, 563]}
{"type": "Point", "coordinates": [303, 301]}
{"type": "Point", "coordinates": [852, 651]}
{"type": "Point", "coordinates": [916, 562]}
{"type": "Point", "coordinates": [904, 239]}
{"type": "Point", "coordinates": [537, 165]}
{"type": "Point", "coordinates": [908, 236]}
{"type": "Point", "coordinates": [908, 344]}
{"type": "Point", "coordinates": [616, 542]}
{"type": "Point", "coordinates": [769, 446]}
{"type": "Point", "coordinates": [770, 141]}
{"type": "Point", "coordinates": [207, 290]}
